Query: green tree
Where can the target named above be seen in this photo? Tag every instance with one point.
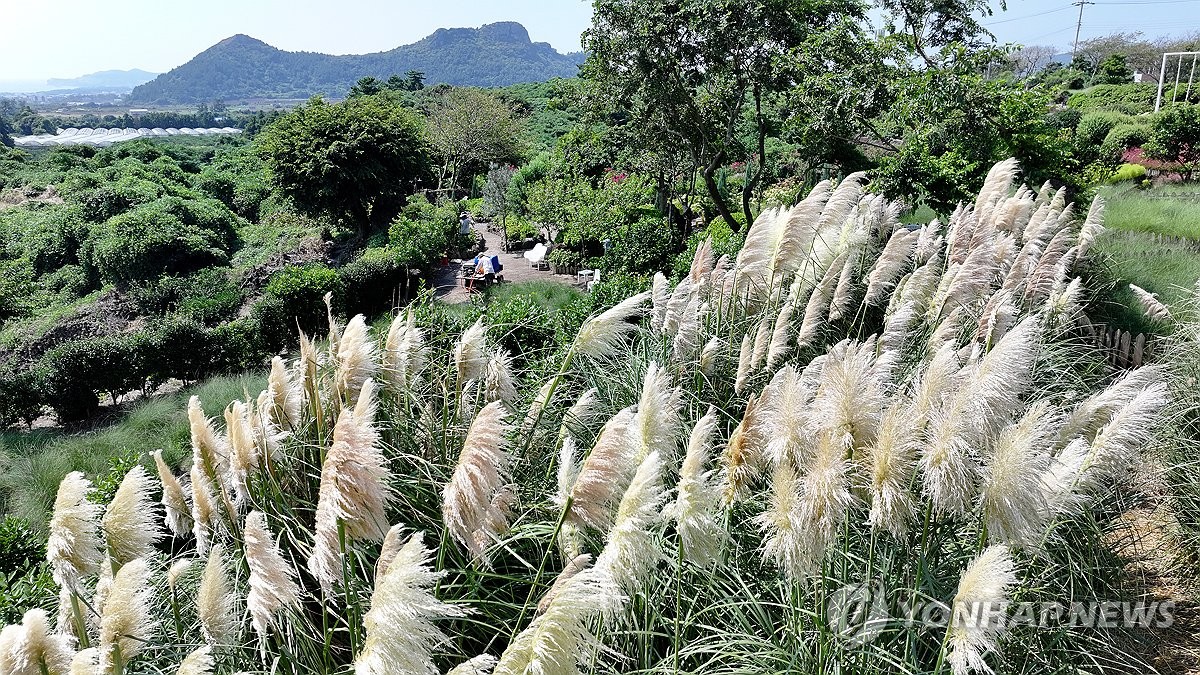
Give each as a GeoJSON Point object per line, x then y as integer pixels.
{"type": "Point", "coordinates": [495, 195]}
{"type": "Point", "coordinates": [366, 86]}
{"type": "Point", "coordinates": [6, 131]}
{"type": "Point", "coordinates": [356, 160]}
{"type": "Point", "coordinates": [683, 73]}
{"type": "Point", "coordinates": [415, 80]}
{"type": "Point", "coordinates": [1175, 138]}
{"type": "Point", "coordinates": [469, 128]}
{"type": "Point", "coordinates": [1114, 69]}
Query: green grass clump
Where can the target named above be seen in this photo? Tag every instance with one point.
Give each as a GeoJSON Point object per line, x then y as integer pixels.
{"type": "Point", "coordinates": [36, 461]}
{"type": "Point", "coordinates": [1128, 172]}
{"type": "Point", "coordinates": [1173, 211]}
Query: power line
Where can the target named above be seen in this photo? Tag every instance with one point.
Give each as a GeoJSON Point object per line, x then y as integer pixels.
{"type": "Point", "coordinates": [1029, 16]}
{"type": "Point", "coordinates": [1145, 2]}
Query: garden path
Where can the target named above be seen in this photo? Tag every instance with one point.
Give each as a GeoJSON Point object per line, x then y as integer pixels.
{"type": "Point", "coordinates": [449, 288]}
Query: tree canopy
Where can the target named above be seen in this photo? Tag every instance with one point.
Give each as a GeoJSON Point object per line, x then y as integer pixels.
{"type": "Point", "coordinates": [356, 160]}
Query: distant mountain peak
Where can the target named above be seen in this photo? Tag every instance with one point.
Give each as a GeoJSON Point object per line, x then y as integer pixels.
{"type": "Point", "coordinates": [241, 67]}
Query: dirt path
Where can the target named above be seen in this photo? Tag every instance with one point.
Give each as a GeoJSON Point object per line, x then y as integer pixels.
{"type": "Point", "coordinates": [1145, 538]}
{"type": "Point", "coordinates": [450, 289]}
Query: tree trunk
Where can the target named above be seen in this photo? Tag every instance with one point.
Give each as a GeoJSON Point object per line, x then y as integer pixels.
{"type": "Point", "coordinates": [711, 183]}
{"type": "Point", "coordinates": [749, 184]}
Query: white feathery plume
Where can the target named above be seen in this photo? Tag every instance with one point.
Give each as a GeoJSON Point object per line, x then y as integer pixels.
{"type": "Point", "coordinates": [401, 635]}
{"type": "Point", "coordinates": [356, 359]}
{"type": "Point", "coordinates": [998, 316]}
{"type": "Point", "coordinates": [697, 503]}
{"type": "Point", "coordinates": [782, 524]}
{"type": "Point", "coordinates": [404, 352]}
{"type": "Point", "coordinates": [891, 461]}
{"type": "Point", "coordinates": [687, 338]}
{"type": "Point", "coordinates": [205, 511]}
{"type": "Point", "coordinates": [209, 451]}
{"type": "Point", "coordinates": [656, 423]}
{"type": "Point", "coordinates": [126, 623]}
{"type": "Point", "coordinates": [743, 456]}
{"type": "Point", "coordinates": [1117, 444]}
{"type": "Point", "coordinates": [392, 543]}
{"type": "Point", "coordinates": [267, 434]}
{"type": "Point", "coordinates": [272, 580]}
{"type": "Point", "coordinates": [576, 565]}
{"type": "Point", "coordinates": [354, 495]}
{"type": "Point", "coordinates": [788, 424]}
{"type": "Point", "coordinates": [818, 303]}
{"type": "Point", "coordinates": [999, 380]}
{"type": "Point", "coordinates": [676, 305]}
{"type": "Point", "coordinates": [776, 242]}
{"type": "Point", "coordinates": [73, 547]}
{"type": "Point", "coordinates": [178, 514]}
{"type": "Point", "coordinates": [198, 662]}
{"type": "Point", "coordinates": [479, 665]}
{"type": "Point", "coordinates": [1093, 226]}
{"type": "Point", "coordinates": [470, 353]}
{"type": "Point", "coordinates": [709, 355]}
{"type": "Point", "coordinates": [85, 662]}
{"type": "Point", "coordinates": [948, 460]}
{"type": "Point", "coordinates": [286, 395]}
{"type": "Point", "coordinates": [896, 255]}
{"type": "Point", "coordinates": [1097, 410]}
{"type": "Point", "coordinates": [762, 341]}
{"type": "Point", "coordinates": [603, 333]}
{"type": "Point", "coordinates": [1015, 505]}
{"type": "Point", "coordinates": [936, 382]}
{"type": "Point", "coordinates": [929, 242]}
{"type": "Point", "coordinates": [335, 330]}
{"type": "Point", "coordinates": [560, 638]}
{"type": "Point", "coordinates": [177, 570]}
{"type": "Point", "coordinates": [996, 187]}
{"type": "Point", "coordinates": [631, 554]}
{"type": "Point", "coordinates": [244, 457]}
{"type": "Point", "coordinates": [131, 520]}
{"type": "Point", "coordinates": [745, 359]}
{"type": "Point", "coordinates": [30, 648]}
{"type": "Point", "coordinates": [582, 413]}
{"type": "Point", "coordinates": [702, 261]}
{"type": "Point", "coordinates": [214, 607]}
{"type": "Point", "coordinates": [567, 471]}
{"type": "Point", "coordinates": [781, 336]}
{"type": "Point", "coordinates": [604, 474]}
{"type": "Point", "coordinates": [1151, 305]}
{"type": "Point", "coordinates": [849, 400]}
{"type": "Point", "coordinates": [839, 304]}
{"type": "Point", "coordinates": [480, 483]}
{"type": "Point", "coordinates": [977, 610]}
{"type": "Point", "coordinates": [306, 366]}
{"type": "Point", "coordinates": [498, 382]}
{"type": "Point", "coordinates": [660, 295]}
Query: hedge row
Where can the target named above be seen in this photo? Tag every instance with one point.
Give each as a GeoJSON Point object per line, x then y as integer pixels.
{"type": "Point", "coordinates": [71, 377]}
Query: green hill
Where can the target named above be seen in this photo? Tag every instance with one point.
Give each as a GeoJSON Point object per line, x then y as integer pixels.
{"type": "Point", "coordinates": [241, 67]}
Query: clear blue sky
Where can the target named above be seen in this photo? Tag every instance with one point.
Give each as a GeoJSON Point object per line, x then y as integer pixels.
{"type": "Point", "coordinates": [69, 38]}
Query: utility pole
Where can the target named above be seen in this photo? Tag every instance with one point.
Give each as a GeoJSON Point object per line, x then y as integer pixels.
{"type": "Point", "coordinates": [1078, 25]}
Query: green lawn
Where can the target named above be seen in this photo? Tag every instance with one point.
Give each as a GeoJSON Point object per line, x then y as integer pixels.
{"type": "Point", "coordinates": [1172, 210]}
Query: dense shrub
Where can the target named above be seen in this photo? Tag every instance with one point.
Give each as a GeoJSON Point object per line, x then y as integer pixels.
{"type": "Point", "coordinates": [297, 293]}
{"type": "Point", "coordinates": [170, 236]}
{"type": "Point", "coordinates": [20, 396]}
{"type": "Point", "coordinates": [241, 345]}
{"type": "Point", "coordinates": [74, 372]}
{"type": "Point", "coordinates": [1125, 136]}
{"type": "Point", "coordinates": [1130, 99]}
{"type": "Point", "coordinates": [177, 348]}
{"type": "Point", "coordinates": [1175, 138]}
{"type": "Point", "coordinates": [520, 324]}
{"type": "Point", "coordinates": [642, 248]}
{"type": "Point", "coordinates": [21, 549]}
{"type": "Point", "coordinates": [1128, 172]}
{"type": "Point", "coordinates": [374, 282]}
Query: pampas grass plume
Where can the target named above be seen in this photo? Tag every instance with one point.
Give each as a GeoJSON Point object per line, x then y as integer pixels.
{"type": "Point", "coordinates": [973, 632]}
{"type": "Point", "coordinates": [474, 498]}
{"type": "Point", "coordinates": [126, 622]}
{"type": "Point", "coordinates": [178, 514]}
{"type": "Point", "coordinates": [131, 520]}
{"type": "Point", "coordinates": [272, 580]}
{"type": "Point", "coordinates": [73, 547]}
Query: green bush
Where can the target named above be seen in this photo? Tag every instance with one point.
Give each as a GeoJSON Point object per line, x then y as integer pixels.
{"type": "Point", "coordinates": [20, 396]}
{"type": "Point", "coordinates": [21, 549]}
{"type": "Point", "coordinates": [1125, 136]}
{"type": "Point", "coordinates": [170, 236]}
{"type": "Point", "coordinates": [1128, 172]}
{"type": "Point", "coordinates": [22, 591]}
{"type": "Point", "coordinates": [374, 282]}
{"type": "Point", "coordinates": [74, 373]}
{"type": "Point", "coordinates": [241, 345]}
{"type": "Point", "coordinates": [1175, 138]}
{"type": "Point", "coordinates": [1130, 99]}
{"type": "Point", "coordinates": [298, 293]}
{"type": "Point", "coordinates": [179, 348]}
{"type": "Point", "coordinates": [642, 248]}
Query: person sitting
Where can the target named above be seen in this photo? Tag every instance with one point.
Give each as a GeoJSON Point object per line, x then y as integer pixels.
{"type": "Point", "coordinates": [485, 269]}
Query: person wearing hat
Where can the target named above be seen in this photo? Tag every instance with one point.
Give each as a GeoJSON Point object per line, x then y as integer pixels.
{"type": "Point", "coordinates": [464, 223]}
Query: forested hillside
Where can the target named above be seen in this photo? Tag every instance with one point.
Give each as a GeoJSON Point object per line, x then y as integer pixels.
{"type": "Point", "coordinates": [242, 67]}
